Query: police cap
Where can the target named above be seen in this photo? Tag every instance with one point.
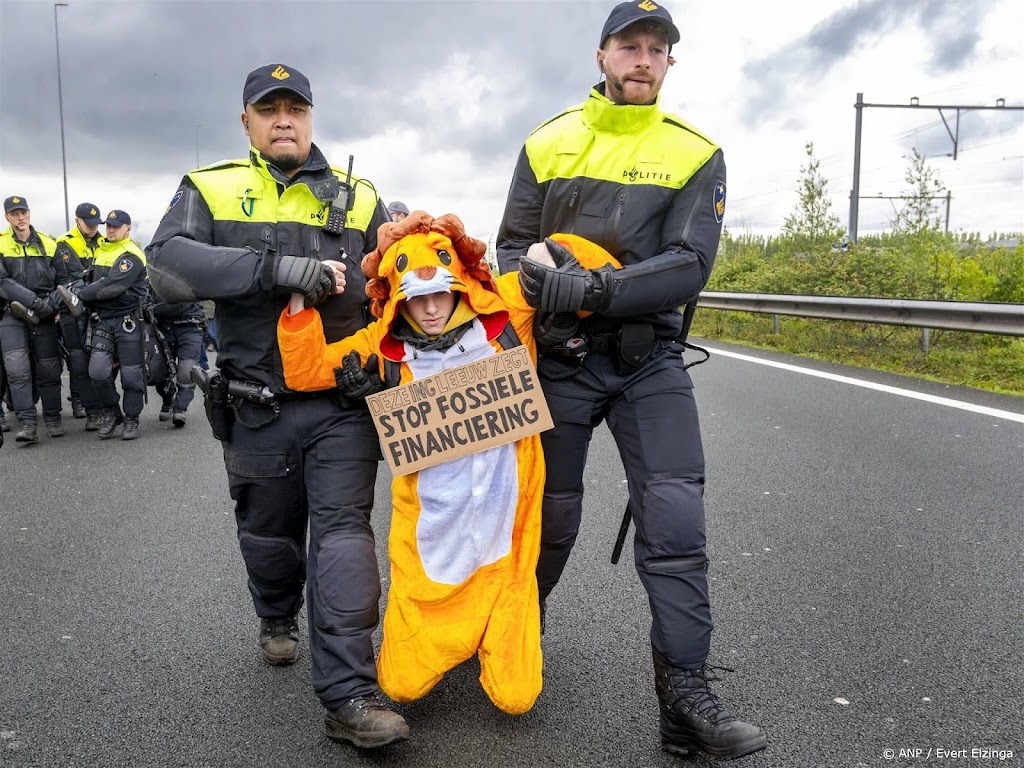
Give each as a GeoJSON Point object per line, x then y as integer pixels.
{"type": "Point", "coordinates": [624, 14]}
{"type": "Point", "coordinates": [15, 203]}
{"type": "Point", "coordinates": [89, 213]}
{"type": "Point", "coordinates": [275, 77]}
{"type": "Point", "coordinates": [117, 219]}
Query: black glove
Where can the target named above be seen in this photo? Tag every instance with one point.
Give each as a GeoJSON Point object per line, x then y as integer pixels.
{"type": "Point", "coordinates": [356, 381]}
{"type": "Point", "coordinates": [568, 288]}
{"type": "Point", "coordinates": [552, 329]}
{"type": "Point", "coordinates": [42, 308]}
{"type": "Point", "coordinates": [301, 274]}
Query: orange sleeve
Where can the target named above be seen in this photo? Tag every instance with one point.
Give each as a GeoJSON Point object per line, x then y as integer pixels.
{"type": "Point", "coordinates": [308, 360]}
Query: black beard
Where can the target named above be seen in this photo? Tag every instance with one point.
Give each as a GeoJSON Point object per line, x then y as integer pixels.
{"type": "Point", "coordinates": [287, 163]}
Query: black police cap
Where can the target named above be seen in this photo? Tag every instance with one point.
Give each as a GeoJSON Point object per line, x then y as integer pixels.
{"type": "Point", "coordinates": [275, 77]}
{"type": "Point", "coordinates": [89, 213]}
{"type": "Point", "coordinates": [624, 14]}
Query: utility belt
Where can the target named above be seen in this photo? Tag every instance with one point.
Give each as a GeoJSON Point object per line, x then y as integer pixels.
{"type": "Point", "coordinates": [628, 346]}
{"type": "Point", "coordinates": [223, 399]}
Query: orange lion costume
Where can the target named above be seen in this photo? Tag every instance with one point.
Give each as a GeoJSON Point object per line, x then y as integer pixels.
{"type": "Point", "coordinates": [465, 534]}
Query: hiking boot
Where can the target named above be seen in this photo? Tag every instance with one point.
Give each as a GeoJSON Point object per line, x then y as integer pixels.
{"type": "Point", "coordinates": [279, 640]}
{"type": "Point", "coordinates": [165, 412]}
{"type": "Point", "coordinates": [693, 718]}
{"type": "Point", "coordinates": [363, 721]}
{"type": "Point", "coordinates": [92, 422]}
{"type": "Point", "coordinates": [131, 428]}
{"type": "Point", "coordinates": [54, 429]}
{"type": "Point", "coordinates": [179, 418]}
{"type": "Point", "coordinates": [26, 433]}
{"type": "Point", "coordinates": [77, 409]}
{"type": "Point", "coordinates": [109, 421]}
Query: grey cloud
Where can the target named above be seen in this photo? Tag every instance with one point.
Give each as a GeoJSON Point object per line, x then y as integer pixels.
{"type": "Point", "coordinates": [138, 78]}
{"type": "Point", "coordinates": [950, 28]}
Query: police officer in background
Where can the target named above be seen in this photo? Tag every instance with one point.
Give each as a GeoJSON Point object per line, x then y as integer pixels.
{"type": "Point", "coordinates": [115, 296]}
{"type": "Point", "coordinates": [651, 189]}
{"type": "Point", "coordinates": [247, 233]}
{"type": "Point", "coordinates": [80, 245]}
{"type": "Point", "coordinates": [30, 271]}
{"type": "Point", "coordinates": [398, 210]}
{"type": "Point", "coordinates": [180, 330]}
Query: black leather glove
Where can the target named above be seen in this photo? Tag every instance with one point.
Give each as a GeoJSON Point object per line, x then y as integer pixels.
{"type": "Point", "coordinates": [42, 308]}
{"type": "Point", "coordinates": [552, 329]}
{"type": "Point", "coordinates": [567, 288]}
{"type": "Point", "coordinates": [357, 381]}
{"type": "Point", "coordinates": [301, 274]}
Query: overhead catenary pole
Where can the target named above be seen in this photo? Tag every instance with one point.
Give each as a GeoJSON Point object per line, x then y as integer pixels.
{"type": "Point", "coordinates": [60, 104]}
{"type": "Point", "coordinates": [855, 196]}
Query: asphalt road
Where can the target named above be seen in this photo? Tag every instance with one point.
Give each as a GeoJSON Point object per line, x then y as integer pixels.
{"type": "Point", "coordinates": [867, 565]}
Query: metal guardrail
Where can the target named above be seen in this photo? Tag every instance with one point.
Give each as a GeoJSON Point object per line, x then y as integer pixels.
{"type": "Point", "coordinates": [976, 316]}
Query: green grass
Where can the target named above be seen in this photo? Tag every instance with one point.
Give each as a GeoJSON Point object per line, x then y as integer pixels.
{"type": "Point", "coordinates": [982, 361]}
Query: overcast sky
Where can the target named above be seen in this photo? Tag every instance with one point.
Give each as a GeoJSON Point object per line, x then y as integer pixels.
{"type": "Point", "coordinates": [434, 99]}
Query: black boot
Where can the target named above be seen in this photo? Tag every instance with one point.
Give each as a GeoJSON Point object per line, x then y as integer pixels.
{"type": "Point", "coordinates": [365, 722]}
{"type": "Point", "coordinates": [692, 717]}
{"type": "Point", "coordinates": [111, 419]}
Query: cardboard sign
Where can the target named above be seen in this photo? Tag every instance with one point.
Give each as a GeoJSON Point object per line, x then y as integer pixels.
{"type": "Point", "coordinates": [463, 410]}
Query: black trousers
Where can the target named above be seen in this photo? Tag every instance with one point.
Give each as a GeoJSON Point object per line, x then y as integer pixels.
{"type": "Point", "coordinates": [185, 341]}
{"type": "Point", "coordinates": [33, 364]}
{"type": "Point", "coordinates": [114, 338]}
{"type": "Point", "coordinates": [313, 464]}
{"type": "Point", "coordinates": [72, 330]}
{"type": "Point", "coordinates": [652, 415]}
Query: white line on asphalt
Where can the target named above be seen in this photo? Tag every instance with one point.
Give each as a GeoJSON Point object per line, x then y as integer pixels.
{"type": "Point", "coordinates": [1009, 415]}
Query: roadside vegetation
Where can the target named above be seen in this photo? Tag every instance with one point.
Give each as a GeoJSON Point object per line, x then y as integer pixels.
{"type": "Point", "coordinates": [916, 260]}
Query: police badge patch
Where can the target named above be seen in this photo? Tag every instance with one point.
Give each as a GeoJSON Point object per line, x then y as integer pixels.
{"type": "Point", "coordinates": [125, 265]}
{"type": "Point", "coordinates": [174, 200]}
{"type": "Point", "coordinates": [718, 200]}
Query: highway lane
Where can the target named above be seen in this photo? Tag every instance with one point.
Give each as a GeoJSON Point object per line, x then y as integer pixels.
{"type": "Point", "coordinates": [865, 548]}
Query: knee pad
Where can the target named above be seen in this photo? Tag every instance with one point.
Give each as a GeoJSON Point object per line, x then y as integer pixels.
{"type": "Point", "coordinates": [183, 377]}
{"type": "Point", "coordinates": [48, 369]}
{"type": "Point", "coordinates": [18, 365]}
{"type": "Point", "coordinates": [271, 559]}
{"type": "Point", "coordinates": [562, 512]}
{"type": "Point", "coordinates": [132, 378]}
{"type": "Point", "coordinates": [347, 581]}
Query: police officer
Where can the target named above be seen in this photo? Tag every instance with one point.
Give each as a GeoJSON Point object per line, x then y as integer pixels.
{"type": "Point", "coordinates": [398, 210]}
{"type": "Point", "coordinates": [80, 245]}
{"type": "Point", "coordinates": [29, 274]}
{"type": "Point", "coordinates": [115, 296]}
{"type": "Point", "coordinates": [650, 188]}
{"type": "Point", "coordinates": [179, 329]}
{"type": "Point", "coordinates": [247, 233]}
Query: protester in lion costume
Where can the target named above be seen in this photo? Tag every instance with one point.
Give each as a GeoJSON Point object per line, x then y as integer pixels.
{"type": "Point", "coordinates": [465, 534]}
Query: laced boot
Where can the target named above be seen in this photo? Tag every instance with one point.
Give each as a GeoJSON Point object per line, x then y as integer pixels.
{"type": "Point", "coordinates": [693, 718]}
{"type": "Point", "coordinates": [179, 418]}
{"type": "Point", "coordinates": [131, 428]}
{"type": "Point", "coordinates": [365, 722]}
{"type": "Point", "coordinates": [92, 421]}
{"type": "Point", "coordinates": [279, 640]}
{"type": "Point", "coordinates": [165, 411]}
{"type": "Point", "coordinates": [109, 421]}
{"type": "Point", "coordinates": [77, 409]}
{"type": "Point", "coordinates": [26, 433]}
{"type": "Point", "coordinates": [55, 428]}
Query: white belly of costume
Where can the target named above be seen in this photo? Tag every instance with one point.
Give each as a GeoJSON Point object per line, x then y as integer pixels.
{"type": "Point", "coordinates": [467, 505]}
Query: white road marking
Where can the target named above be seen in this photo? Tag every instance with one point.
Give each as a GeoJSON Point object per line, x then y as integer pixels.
{"type": "Point", "coordinates": [995, 412]}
